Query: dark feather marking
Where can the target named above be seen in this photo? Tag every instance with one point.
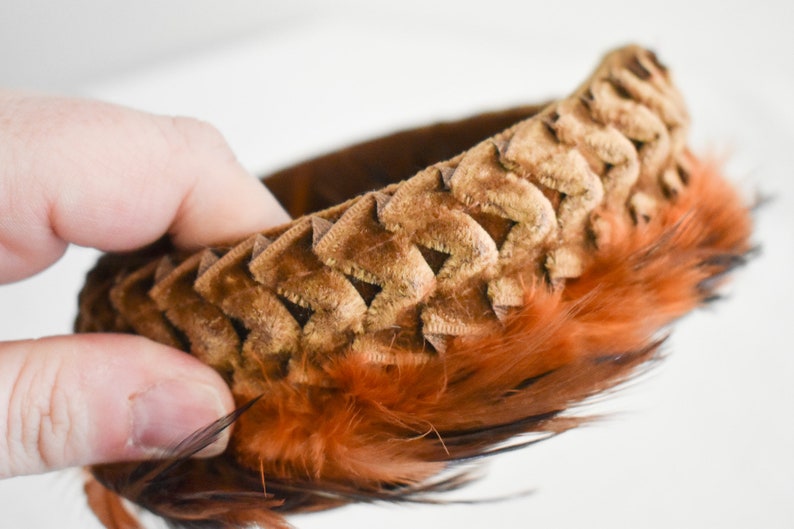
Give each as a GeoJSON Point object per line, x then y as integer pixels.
{"type": "Point", "coordinates": [150, 472]}
{"type": "Point", "coordinates": [725, 261]}
{"type": "Point", "coordinates": [627, 358]}
{"type": "Point", "coordinates": [466, 437]}
{"type": "Point", "coordinates": [148, 483]}
{"type": "Point", "coordinates": [507, 447]}
{"type": "Point", "coordinates": [422, 493]}
{"type": "Point", "coordinates": [724, 264]}
{"type": "Point", "coordinates": [524, 384]}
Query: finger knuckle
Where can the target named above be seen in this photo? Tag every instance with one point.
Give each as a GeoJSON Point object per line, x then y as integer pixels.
{"type": "Point", "coordinates": [41, 419]}
{"type": "Point", "coordinates": [194, 135]}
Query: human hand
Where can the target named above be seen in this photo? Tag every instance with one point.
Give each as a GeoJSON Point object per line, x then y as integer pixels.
{"type": "Point", "coordinates": [99, 175]}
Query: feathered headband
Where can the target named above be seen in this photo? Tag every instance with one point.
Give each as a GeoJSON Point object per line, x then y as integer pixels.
{"type": "Point", "coordinates": [376, 341]}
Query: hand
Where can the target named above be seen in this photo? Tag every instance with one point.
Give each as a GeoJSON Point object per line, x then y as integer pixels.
{"type": "Point", "coordinates": [98, 175]}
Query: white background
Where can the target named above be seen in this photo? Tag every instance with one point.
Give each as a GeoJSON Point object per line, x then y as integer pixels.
{"type": "Point", "coordinates": [705, 440]}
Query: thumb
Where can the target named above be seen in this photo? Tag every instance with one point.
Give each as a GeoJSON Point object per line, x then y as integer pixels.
{"type": "Point", "coordinates": [78, 400]}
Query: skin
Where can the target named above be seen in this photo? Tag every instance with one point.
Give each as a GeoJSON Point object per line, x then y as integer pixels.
{"type": "Point", "coordinates": [99, 175]}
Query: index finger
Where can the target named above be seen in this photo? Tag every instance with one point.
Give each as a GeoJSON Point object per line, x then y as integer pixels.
{"type": "Point", "coordinates": [95, 174]}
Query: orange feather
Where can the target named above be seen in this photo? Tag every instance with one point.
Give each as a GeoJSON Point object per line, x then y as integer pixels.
{"type": "Point", "coordinates": [383, 433]}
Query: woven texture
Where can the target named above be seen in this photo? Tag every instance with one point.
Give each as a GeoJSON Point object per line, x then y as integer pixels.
{"type": "Point", "coordinates": [440, 255]}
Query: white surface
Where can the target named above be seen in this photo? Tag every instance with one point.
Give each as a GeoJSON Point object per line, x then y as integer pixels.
{"type": "Point", "coordinates": [56, 46]}
{"type": "Point", "coordinates": [706, 439]}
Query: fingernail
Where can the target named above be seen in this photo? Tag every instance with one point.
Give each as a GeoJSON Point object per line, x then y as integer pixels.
{"type": "Point", "coordinates": [169, 412]}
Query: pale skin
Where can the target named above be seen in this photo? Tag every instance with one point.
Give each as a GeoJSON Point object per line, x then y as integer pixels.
{"type": "Point", "coordinates": [99, 175]}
